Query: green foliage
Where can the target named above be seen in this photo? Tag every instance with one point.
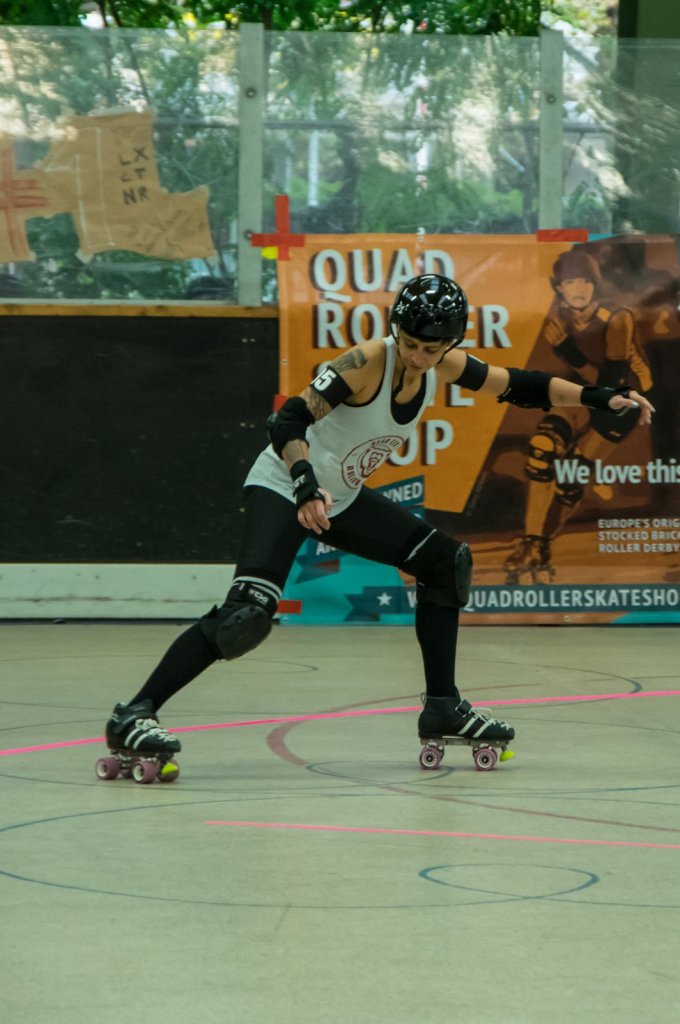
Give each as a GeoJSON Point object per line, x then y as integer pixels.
{"type": "Point", "coordinates": [418, 107]}
{"type": "Point", "coordinates": [121, 13]}
{"type": "Point", "coordinates": [395, 202]}
{"type": "Point", "coordinates": [52, 75]}
{"type": "Point", "coordinates": [594, 17]}
{"type": "Point", "coordinates": [39, 12]}
{"type": "Point", "coordinates": [466, 17]}
{"type": "Point", "coordinates": [588, 206]}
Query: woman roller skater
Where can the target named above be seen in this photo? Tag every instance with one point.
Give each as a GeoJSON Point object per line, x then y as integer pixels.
{"type": "Point", "coordinates": [325, 442]}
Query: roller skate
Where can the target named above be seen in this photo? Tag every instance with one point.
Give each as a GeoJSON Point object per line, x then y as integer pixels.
{"type": "Point", "coordinates": [529, 561]}
{"type": "Point", "coordinates": [140, 747]}
{"type": "Point", "coordinates": [444, 722]}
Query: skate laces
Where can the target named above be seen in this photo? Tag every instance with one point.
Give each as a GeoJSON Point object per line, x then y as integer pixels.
{"type": "Point", "coordinates": [484, 715]}
{"type": "Point", "coordinates": [151, 727]}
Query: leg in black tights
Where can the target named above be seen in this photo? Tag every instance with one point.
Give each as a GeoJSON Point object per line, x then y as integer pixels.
{"type": "Point", "coordinates": [376, 528]}
{"type": "Point", "coordinates": [271, 538]}
{"type": "Point", "coordinates": [186, 658]}
{"type": "Point", "coordinates": [437, 633]}
{"type": "Point", "coordinates": [372, 527]}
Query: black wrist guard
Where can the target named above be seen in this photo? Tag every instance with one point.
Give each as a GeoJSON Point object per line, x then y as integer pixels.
{"type": "Point", "coordinates": [305, 484]}
{"type": "Point", "coordinates": [598, 398]}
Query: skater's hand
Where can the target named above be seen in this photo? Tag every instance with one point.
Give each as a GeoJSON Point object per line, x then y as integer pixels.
{"type": "Point", "coordinates": [406, 578]}
{"type": "Point", "coordinates": [634, 401]}
{"type": "Point", "coordinates": [313, 515]}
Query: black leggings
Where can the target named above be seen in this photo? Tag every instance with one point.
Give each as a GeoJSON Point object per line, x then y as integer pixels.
{"type": "Point", "coordinates": [372, 527]}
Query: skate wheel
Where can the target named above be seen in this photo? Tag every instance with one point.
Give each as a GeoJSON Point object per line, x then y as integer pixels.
{"type": "Point", "coordinates": [144, 771]}
{"type": "Point", "coordinates": [430, 758]}
{"type": "Point", "coordinates": [507, 755]}
{"type": "Point", "coordinates": [485, 759]}
{"type": "Point", "coordinates": [107, 768]}
{"type": "Point", "coordinates": [168, 772]}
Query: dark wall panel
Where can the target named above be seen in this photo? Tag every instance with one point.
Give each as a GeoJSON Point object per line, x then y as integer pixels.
{"type": "Point", "coordinates": [127, 439]}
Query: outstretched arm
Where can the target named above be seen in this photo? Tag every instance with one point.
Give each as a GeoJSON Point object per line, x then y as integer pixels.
{"type": "Point", "coordinates": [533, 389]}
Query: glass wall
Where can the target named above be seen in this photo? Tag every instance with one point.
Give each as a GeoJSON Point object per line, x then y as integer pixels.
{"type": "Point", "coordinates": [98, 130]}
{"type": "Point", "coordinates": [120, 176]}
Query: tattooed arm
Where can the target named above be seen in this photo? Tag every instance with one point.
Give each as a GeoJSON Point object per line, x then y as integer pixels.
{"type": "Point", "coordinates": [340, 380]}
{"type": "Point", "coordinates": [343, 378]}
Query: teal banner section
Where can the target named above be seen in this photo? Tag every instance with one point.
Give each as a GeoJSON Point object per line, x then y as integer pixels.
{"type": "Point", "coordinates": [335, 587]}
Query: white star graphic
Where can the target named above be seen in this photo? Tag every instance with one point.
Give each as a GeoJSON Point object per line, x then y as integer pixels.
{"type": "Point", "coordinates": [384, 598]}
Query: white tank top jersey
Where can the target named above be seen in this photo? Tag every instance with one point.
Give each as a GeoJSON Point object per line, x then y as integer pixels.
{"type": "Point", "coordinates": [349, 444]}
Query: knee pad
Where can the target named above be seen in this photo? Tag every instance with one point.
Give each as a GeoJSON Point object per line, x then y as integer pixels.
{"type": "Point", "coordinates": [443, 570]}
{"type": "Point", "coordinates": [243, 622]}
{"type": "Point", "coordinates": [551, 441]}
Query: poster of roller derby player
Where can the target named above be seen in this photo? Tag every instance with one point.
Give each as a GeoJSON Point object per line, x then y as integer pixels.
{"type": "Point", "coordinates": [583, 501]}
{"type": "Point", "coordinates": [597, 343]}
{"type": "Point", "coordinates": [569, 518]}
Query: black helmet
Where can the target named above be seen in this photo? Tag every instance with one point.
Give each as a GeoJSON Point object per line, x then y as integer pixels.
{"type": "Point", "coordinates": [431, 307]}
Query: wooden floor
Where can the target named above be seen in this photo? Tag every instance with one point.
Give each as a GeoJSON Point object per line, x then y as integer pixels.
{"type": "Point", "coordinates": [304, 868]}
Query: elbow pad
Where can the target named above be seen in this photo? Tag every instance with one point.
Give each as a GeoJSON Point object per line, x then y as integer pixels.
{"type": "Point", "coordinates": [528, 389]}
{"type": "Point", "coordinates": [289, 423]}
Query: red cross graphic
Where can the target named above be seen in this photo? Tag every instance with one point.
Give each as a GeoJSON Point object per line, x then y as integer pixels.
{"type": "Point", "coordinates": [282, 236]}
{"type": "Point", "coordinates": [17, 194]}
{"type": "Point", "coordinates": [562, 235]}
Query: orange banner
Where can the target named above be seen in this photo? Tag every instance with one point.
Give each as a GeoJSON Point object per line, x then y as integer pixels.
{"type": "Point", "coordinates": [544, 499]}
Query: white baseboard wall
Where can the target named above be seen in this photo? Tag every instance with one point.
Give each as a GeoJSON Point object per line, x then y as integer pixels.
{"type": "Point", "coordinates": [110, 591]}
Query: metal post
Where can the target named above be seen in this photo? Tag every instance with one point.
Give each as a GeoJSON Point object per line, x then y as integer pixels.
{"type": "Point", "coordinates": [551, 140]}
{"type": "Point", "coordinates": [250, 172]}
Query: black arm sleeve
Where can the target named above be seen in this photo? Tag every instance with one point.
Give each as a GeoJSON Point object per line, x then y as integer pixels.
{"type": "Point", "coordinates": [333, 388]}
{"type": "Point", "coordinates": [474, 373]}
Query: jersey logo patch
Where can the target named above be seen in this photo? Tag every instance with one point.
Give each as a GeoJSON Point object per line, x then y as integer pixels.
{"type": "Point", "coordinates": [367, 457]}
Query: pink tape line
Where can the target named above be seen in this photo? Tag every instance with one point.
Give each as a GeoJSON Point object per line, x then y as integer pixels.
{"type": "Point", "coordinates": [351, 714]}
{"type": "Point", "coordinates": [441, 835]}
